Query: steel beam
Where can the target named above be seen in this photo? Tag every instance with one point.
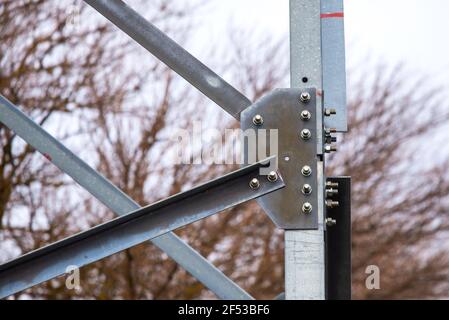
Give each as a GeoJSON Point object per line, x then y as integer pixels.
{"type": "Point", "coordinates": [134, 228]}
{"type": "Point", "coordinates": [115, 199]}
{"type": "Point", "coordinates": [173, 55]}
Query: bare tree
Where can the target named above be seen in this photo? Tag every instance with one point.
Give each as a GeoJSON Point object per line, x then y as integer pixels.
{"type": "Point", "coordinates": [121, 115]}
{"type": "Point", "coordinates": [399, 196]}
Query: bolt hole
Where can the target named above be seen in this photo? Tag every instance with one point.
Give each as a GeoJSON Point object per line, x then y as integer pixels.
{"type": "Point", "coordinates": [305, 79]}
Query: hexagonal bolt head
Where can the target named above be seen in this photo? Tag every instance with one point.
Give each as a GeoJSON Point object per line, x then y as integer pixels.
{"type": "Point", "coordinates": [332, 204]}
{"type": "Point", "coordinates": [305, 97]}
{"type": "Point", "coordinates": [330, 222]}
{"type": "Point", "coordinates": [307, 208]}
{"type": "Point", "coordinates": [306, 134]}
{"type": "Point", "coordinates": [306, 171]}
{"type": "Point", "coordinates": [254, 183]}
{"type": "Point", "coordinates": [258, 120]}
{"type": "Point", "coordinates": [329, 112]}
{"type": "Point", "coordinates": [272, 176]}
{"type": "Point", "coordinates": [306, 115]}
{"type": "Point", "coordinates": [329, 149]}
{"type": "Point", "coordinates": [307, 189]}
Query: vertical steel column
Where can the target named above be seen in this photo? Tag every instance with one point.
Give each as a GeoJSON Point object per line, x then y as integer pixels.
{"type": "Point", "coordinates": [304, 250]}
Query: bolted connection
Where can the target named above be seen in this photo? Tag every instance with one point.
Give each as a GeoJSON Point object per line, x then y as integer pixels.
{"type": "Point", "coordinates": [272, 176]}
{"type": "Point", "coordinates": [330, 222]}
{"type": "Point", "coordinates": [307, 189]}
{"type": "Point", "coordinates": [306, 171]}
{"type": "Point", "coordinates": [332, 204]}
{"type": "Point", "coordinates": [258, 120]}
{"type": "Point", "coordinates": [307, 207]}
{"type": "Point", "coordinates": [329, 149]}
{"type": "Point", "coordinates": [331, 184]}
{"type": "Point", "coordinates": [306, 115]}
{"type": "Point", "coordinates": [254, 183]}
{"type": "Point", "coordinates": [329, 112]}
{"type": "Point", "coordinates": [306, 134]}
{"type": "Point", "coordinates": [331, 192]}
{"type": "Point", "coordinates": [305, 97]}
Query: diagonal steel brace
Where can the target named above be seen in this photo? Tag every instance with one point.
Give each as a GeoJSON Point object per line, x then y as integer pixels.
{"type": "Point", "coordinates": [173, 55]}
{"type": "Point", "coordinates": [134, 228]}
{"type": "Point", "coordinates": [115, 199]}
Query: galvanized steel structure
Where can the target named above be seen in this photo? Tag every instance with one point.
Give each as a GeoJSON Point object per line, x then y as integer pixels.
{"type": "Point", "coordinates": [295, 197]}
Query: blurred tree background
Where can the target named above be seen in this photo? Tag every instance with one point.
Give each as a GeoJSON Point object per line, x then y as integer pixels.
{"type": "Point", "coordinates": [115, 106]}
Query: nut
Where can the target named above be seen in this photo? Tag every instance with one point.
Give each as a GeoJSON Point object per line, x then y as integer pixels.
{"type": "Point", "coordinates": [306, 115]}
{"type": "Point", "coordinates": [272, 176]}
{"type": "Point", "coordinates": [258, 120]}
{"type": "Point", "coordinates": [332, 204]}
{"type": "Point", "coordinates": [329, 112]}
{"type": "Point", "coordinates": [307, 207]}
{"type": "Point", "coordinates": [306, 134]}
{"type": "Point", "coordinates": [307, 189]}
{"type": "Point", "coordinates": [254, 183]}
{"type": "Point", "coordinates": [329, 149]}
{"type": "Point", "coordinates": [305, 97]}
{"type": "Point", "coordinates": [306, 171]}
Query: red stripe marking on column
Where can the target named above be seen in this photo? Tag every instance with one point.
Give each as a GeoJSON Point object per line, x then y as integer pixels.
{"type": "Point", "coordinates": [332, 15]}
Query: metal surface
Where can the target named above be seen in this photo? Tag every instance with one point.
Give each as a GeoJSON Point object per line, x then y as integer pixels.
{"type": "Point", "coordinates": [305, 52]}
{"type": "Point", "coordinates": [334, 64]}
{"type": "Point", "coordinates": [133, 228]}
{"type": "Point", "coordinates": [115, 199]}
{"type": "Point", "coordinates": [304, 250]}
{"type": "Point", "coordinates": [173, 55]}
{"type": "Point", "coordinates": [338, 243]}
{"type": "Point", "coordinates": [281, 111]}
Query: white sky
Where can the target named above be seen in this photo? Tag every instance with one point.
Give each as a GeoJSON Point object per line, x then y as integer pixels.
{"type": "Point", "coordinates": [413, 31]}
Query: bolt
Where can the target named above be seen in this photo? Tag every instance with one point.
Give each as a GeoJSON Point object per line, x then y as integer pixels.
{"type": "Point", "coordinates": [305, 97]}
{"type": "Point", "coordinates": [306, 171]}
{"type": "Point", "coordinates": [329, 112]}
{"type": "Point", "coordinates": [330, 222]}
{"type": "Point", "coordinates": [254, 183]}
{"type": "Point", "coordinates": [307, 207]}
{"type": "Point", "coordinates": [306, 134]}
{"type": "Point", "coordinates": [306, 115]}
{"type": "Point", "coordinates": [331, 192]}
{"type": "Point", "coordinates": [329, 131]}
{"type": "Point", "coordinates": [331, 184]}
{"type": "Point", "coordinates": [330, 139]}
{"type": "Point", "coordinates": [332, 204]}
{"type": "Point", "coordinates": [272, 176]}
{"type": "Point", "coordinates": [329, 149]}
{"type": "Point", "coordinates": [258, 120]}
{"type": "Point", "coordinates": [307, 189]}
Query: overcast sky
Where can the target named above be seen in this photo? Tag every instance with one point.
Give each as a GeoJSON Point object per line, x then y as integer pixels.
{"type": "Point", "coordinates": [413, 31]}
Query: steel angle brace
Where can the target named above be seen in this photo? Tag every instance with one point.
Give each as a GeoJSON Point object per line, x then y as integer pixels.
{"type": "Point", "coordinates": [136, 227]}
{"type": "Point", "coordinates": [290, 115]}
{"type": "Point", "coordinates": [173, 55]}
{"type": "Point", "coordinates": [115, 199]}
